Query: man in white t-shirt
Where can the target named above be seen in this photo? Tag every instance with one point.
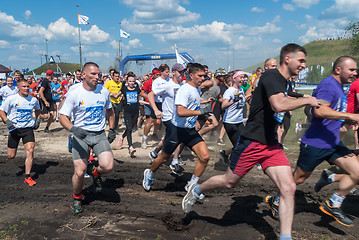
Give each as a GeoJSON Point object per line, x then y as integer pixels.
{"type": "Point", "coordinates": [90, 105]}
{"type": "Point", "coordinates": [16, 113]}
{"type": "Point", "coordinates": [167, 90]}
{"type": "Point", "coordinates": [9, 89]}
{"type": "Point", "coordinates": [182, 129]}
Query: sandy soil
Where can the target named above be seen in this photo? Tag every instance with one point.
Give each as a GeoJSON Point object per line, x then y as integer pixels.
{"type": "Point", "coordinates": [126, 211]}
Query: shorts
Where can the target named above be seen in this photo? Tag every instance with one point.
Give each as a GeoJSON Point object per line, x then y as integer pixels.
{"type": "Point", "coordinates": [203, 117]}
{"type": "Point", "coordinates": [148, 109]}
{"type": "Point", "coordinates": [96, 140]}
{"type": "Point", "coordinates": [310, 157]}
{"type": "Point", "coordinates": [117, 107]}
{"type": "Point", "coordinates": [248, 153]}
{"type": "Point", "coordinates": [46, 110]}
{"type": "Point", "coordinates": [26, 134]}
{"type": "Point", "coordinates": [176, 135]}
{"type": "Point", "coordinates": [159, 106]}
{"type": "Point", "coordinates": [233, 131]}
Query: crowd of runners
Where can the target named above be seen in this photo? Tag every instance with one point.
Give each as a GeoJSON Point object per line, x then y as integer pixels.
{"type": "Point", "coordinates": [189, 102]}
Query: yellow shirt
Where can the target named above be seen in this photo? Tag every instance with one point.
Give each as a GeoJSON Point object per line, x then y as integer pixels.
{"type": "Point", "coordinates": [114, 87]}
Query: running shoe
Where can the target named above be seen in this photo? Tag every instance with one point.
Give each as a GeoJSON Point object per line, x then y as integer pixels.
{"type": "Point", "coordinates": [86, 175]}
{"type": "Point", "coordinates": [223, 157]}
{"type": "Point", "coordinates": [336, 213]}
{"type": "Point", "coordinates": [176, 169]}
{"type": "Point", "coordinates": [144, 143]}
{"type": "Point", "coordinates": [220, 142]}
{"type": "Point", "coordinates": [77, 206]}
{"type": "Point", "coordinates": [323, 180]}
{"type": "Point", "coordinates": [120, 142]}
{"type": "Point", "coordinates": [147, 180]}
{"type": "Point", "coordinates": [273, 207]}
{"type": "Point", "coordinates": [153, 155]}
{"type": "Point", "coordinates": [97, 183]}
{"type": "Point", "coordinates": [131, 151]}
{"type": "Point", "coordinates": [298, 128]}
{"type": "Point", "coordinates": [46, 130]}
{"type": "Point", "coordinates": [354, 191]}
{"type": "Point", "coordinates": [181, 162]}
{"type": "Point", "coordinates": [190, 198]}
{"type": "Point", "coordinates": [30, 181]}
{"type": "Point", "coordinates": [91, 159]}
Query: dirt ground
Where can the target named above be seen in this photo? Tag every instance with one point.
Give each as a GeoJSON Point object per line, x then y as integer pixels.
{"type": "Point", "coordinates": [125, 211]}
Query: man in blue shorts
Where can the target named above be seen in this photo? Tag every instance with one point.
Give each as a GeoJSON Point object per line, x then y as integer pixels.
{"type": "Point", "coordinates": [258, 142]}
{"type": "Point", "coordinates": [321, 141]}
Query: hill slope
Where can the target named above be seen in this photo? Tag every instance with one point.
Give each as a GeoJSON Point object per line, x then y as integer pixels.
{"type": "Point", "coordinates": [321, 53]}
{"type": "Point", "coordinates": [65, 67]}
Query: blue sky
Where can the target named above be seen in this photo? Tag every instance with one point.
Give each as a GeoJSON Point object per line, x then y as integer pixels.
{"type": "Point", "coordinates": [217, 33]}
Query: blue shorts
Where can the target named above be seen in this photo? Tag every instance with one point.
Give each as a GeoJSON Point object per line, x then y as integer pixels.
{"type": "Point", "coordinates": [310, 157]}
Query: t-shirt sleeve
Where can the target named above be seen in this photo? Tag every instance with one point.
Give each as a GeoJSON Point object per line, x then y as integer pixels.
{"type": "Point", "coordinates": [325, 93]}
{"type": "Point", "coordinates": [159, 89]}
{"type": "Point", "coordinates": [182, 97]}
{"type": "Point", "coordinates": [273, 84]}
{"type": "Point", "coordinates": [108, 103]}
{"type": "Point", "coordinates": [227, 94]}
{"type": "Point", "coordinates": [37, 105]}
{"type": "Point", "coordinates": [45, 83]}
{"type": "Point", "coordinates": [5, 105]}
{"type": "Point", "coordinates": [146, 86]}
{"type": "Point", "coordinates": [68, 105]}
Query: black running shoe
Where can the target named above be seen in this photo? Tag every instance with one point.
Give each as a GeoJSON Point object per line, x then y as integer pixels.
{"type": "Point", "coordinates": [323, 180]}
{"type": "Point", "coordinates": [273, 207]}
{"type": "Point", "coordinates": [77, 206]}
{"type": "Point", "coordinates": [223, 157]}
{"type": "Point", "coordinates": [336, 213]}
{"type": "Point", "coordinates": [177, 169]}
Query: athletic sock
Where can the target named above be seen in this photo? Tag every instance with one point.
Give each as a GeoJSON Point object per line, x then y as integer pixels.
{"type": "Point", "coordinates": [331, 177]}
{"type": "Point", "coordinates": [151, 174]}
{"type": "Point", "coordinates": [276, 199]}
{"type": "Point", "coordinates": [154, 153]}
{"type": "Point", "coordinates": [174, 161]}
{"type": "Point", "coordinates": [194, 179]}
{"type": "Point", "coordinates": [77, 196]}
{"type": "Point", "coordinates": [285, 237]}
{"type": "Point", "coordinates": [336, 200]}
{"type": "Point", "coordinates": [197, 191]}
{"type": "Point", "coordinates": [95, 173]}
{"type": "Point", "coordinates": [144, 137]}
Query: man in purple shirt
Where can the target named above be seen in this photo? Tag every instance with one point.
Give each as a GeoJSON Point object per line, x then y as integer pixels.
{"type": "Point", "coordinates": [321, 141]}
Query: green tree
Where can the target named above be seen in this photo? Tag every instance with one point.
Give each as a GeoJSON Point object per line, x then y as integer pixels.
{"type": "Point", "coordinates": [353, 29]}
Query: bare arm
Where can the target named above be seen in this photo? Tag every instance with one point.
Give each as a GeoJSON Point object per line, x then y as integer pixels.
{"type": "Point", "coordinates": [151, 99]}
{"type": "Point", "coordinates": [37, 114]}
{"type": "Point", "coordinates": [226, 103]}
{"type": "Point", "coordinates": [3, 116]}
{"type": "Point", "coordinates": [280, 103]}
{"type": "Point", "coordinates": [182, 111]}
{"type": "Point", "coordinates": [143, 94]}
{"type": "Point", "coordinates": [111, 117]}
{"type": "Point", "coordinates": [325, 111]}
{"type": "Point", "coordinates": [65, 122]}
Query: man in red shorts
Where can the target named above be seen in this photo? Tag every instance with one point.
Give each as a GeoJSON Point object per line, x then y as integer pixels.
{"type": "Point", "coordinates": [258, 142]}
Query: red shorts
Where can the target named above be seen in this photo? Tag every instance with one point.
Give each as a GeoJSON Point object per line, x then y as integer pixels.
{"type": "Point", "coordinates": [248, 153]}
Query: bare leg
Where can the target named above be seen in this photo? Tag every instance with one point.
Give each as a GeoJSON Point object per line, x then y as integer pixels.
{"type": "Point", "coordinates": [29, 149]}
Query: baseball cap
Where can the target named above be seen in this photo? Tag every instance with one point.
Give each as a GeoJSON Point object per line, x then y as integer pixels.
{"type": "Point", "coordinates": [220, 72]}
{"type": "Point", "coordinates": [49, 72]}
{"type": "Point", "coordinates": [178, 67]}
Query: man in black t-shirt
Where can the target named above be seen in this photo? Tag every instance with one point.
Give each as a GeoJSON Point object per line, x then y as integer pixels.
{"type": "Point", "coordinates": [46, 102]}
{"type": "Point", "coordinates": [259, 144]}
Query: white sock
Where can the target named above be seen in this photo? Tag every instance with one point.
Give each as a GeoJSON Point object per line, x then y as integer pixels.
{"type": "Point", "coordinates": [174, 161]}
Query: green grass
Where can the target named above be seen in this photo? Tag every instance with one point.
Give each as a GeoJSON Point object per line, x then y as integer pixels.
{"type": "Point", "coordinates": [65, 67]}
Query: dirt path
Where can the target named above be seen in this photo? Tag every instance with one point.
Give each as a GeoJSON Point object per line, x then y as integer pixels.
{"type": "Point", "coordinates": [126, 211]}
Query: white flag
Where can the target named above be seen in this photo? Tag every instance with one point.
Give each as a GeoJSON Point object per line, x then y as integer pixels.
{"type": "Point", "coordinates": [180, 59]}
{"type": "Point", "coordinates": [124, 34]}
{"type": "Point", "coordinates": [83, 19]}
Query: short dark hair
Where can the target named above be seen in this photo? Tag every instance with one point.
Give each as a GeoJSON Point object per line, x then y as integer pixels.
{"type": "Point", "coordinates": [289, 48]}
{"type": "Point", "coordinates": [115, 72]}
{"type": "Point", "coordinates": [205, 66]}
{"type": "Point", "coordinates": [339, 61]}
{"type": "Point", "coordinates": [68, 74]}
{"type": "Point", "coordinates": [89, 64]}
{"type": "Point", "coordinates": [22, 80]}
{"type": "Point", "coordinates": [164, 67]}
{"type": "Point", "coordinates": [195, 67]}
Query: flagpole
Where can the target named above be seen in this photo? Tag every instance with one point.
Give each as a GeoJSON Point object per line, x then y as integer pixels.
{"type": "Point", "coordinates": [78, 25]}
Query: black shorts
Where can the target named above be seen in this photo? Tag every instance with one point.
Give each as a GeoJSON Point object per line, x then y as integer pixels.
{"type": "Point", "coordinates": [310, 157]}
{"type": "Point", "coordinates": [26, 134]}
{"type": "Point", "coordinates": [233, 130]}
{"type": "Point", "coordinates": [46, 110]}
{"type": "Point", "coordinates": [176, 135]}
{"type": "Point", "coordinates": [159, 106]}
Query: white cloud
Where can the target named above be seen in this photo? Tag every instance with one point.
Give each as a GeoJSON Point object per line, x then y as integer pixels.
{"type": "Point", "coordinates": [160, 11]}
{"type": "Point", "coordinates": [308, 17]}
{"type": "Point", "coordinates": [23, 46]}
{"type": "Point", "coordinates": [96, 55]}
{"type": "Point", "coordinates": [134, 44]}
{"type": "Point", "coordinates": [257, 9]}
{"type": "Point", "coordinates": [276, 40]}
{"type": "Point", "coordinates": [114, 44]}
{"type": "Point", "coordinates": [59, 30]}
{"type": "Point", "coordinates": [305, 3]}
{"type": "Point", "coordinates": [342, 8]}
{"type": "Point", "coordinates": [287, 6]}
{"type": "Point", "coordinates": [4, 44]}
{"type": "Point", "coordinates": [27, 14]}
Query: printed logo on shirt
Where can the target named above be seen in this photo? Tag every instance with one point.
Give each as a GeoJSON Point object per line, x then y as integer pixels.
{"type": "Point", "coordinates": [94, 115]}
{"type": "Point", "coordinates": [23, 115]}
{"type": "Point", "coordinates": [131, 97]}
{"type": "Point", "coordinates": [100, 102]}
{"type": "Point", "coordinates": [81, 103]}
